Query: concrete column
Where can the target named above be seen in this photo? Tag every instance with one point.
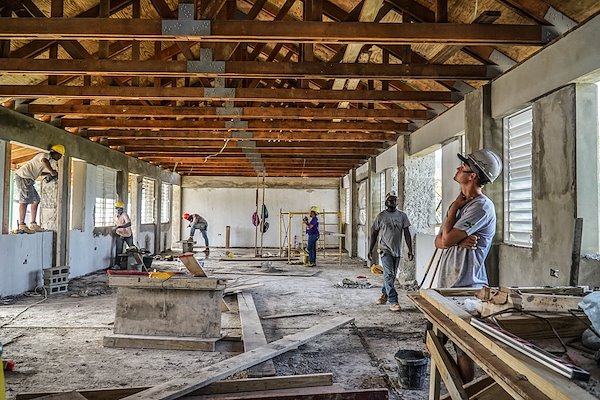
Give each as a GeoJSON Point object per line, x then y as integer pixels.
{"type": "Point", "coordinates": [158, 213]}
{"type": "Point", "coordinates": [586, 137]}
{"type": "Point", "coordinates": [176, 214]}
{"type": "Point", "coordinates": [482, 131]}
{"type": "Point", "coordinates": [5, 198]}
{"type": "Point", "coordinates": [62, 210]}
{"type": "Point", "coordinates": [402, 149]}
{"type": "Point", "coordinates": [136, 205]}
{"type": "Point", "coordinates": [372, 201]}
{"type": "Point", "coordinates": [354, 217]}
{"type": "Point", "coordinates": [78, 193]}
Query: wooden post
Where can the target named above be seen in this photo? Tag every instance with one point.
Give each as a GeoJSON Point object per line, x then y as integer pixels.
{"type": "Point", "coordinates": [227, 237]}
{"type": "Point", "coordinates": [5, 198]}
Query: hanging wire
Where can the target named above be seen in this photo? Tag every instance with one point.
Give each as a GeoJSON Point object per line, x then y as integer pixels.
{"type": "Point", "coordinates": [220, 151]}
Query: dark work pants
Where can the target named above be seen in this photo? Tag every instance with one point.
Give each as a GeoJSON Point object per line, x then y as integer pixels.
{"type": "Point", "coordinates": [120, 260]}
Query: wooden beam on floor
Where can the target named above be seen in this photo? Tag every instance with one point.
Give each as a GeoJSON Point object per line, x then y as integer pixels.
{"type": "Point", "coordinates": [229, 386]}
{"type": "Point", "coordinates": [253, 334]}
{"type": "Point", "coordinates": [276, 31]}
{"type": "Point", "coordinates": [176, 388]}
{"type": "Point", "coordinates": [447, 369]}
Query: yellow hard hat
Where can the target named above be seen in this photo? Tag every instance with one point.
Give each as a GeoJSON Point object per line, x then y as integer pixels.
{"type": "Point", "coordinates": [376, 269]}
{"type": "Point", "coordinates": [119, 204]}
{"type": "Point", "coordinates": [59, 148]}
{"type": "Point", "coordinates": [315, 209]}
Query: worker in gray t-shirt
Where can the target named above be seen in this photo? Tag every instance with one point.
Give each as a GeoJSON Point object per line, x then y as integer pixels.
{"type": "Point", "coordinates": [389, 226]}
{"type": "Point", "coordinates": [466, 234]}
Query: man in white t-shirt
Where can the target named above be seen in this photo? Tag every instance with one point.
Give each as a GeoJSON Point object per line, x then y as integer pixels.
{"type": "Point", "coordinates": [25, 178]}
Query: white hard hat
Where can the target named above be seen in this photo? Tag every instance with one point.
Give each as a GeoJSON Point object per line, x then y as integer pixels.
{"type": "Point", "coordinates": [486, 163]}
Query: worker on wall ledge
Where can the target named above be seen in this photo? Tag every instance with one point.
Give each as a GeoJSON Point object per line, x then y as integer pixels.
{"type": "Point", "coordinates": [25, 178]}
{"type": "Point", "coordinates": [389, 226]}
{"type": "Point", "coordinates": [312, 230]}
{"type": "Point", "coordinates": [124, 234]}
{"type": "Point", "coordinates": [466, 234]}
{"type": "Point", "coordinates": [197, 222]}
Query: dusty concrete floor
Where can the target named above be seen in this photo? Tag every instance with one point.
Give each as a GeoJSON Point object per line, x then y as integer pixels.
{"type": "Point", "coordinates": [57, 344]}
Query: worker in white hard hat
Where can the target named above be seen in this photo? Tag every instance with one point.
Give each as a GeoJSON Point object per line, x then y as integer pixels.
{"type": "Point", "coordinates": [312, 231]}
{"type": "Point", "coordinates": [467, 232]}
{"type": "Point", "coordinates": [387, 230]}
{"type": "Point", "coordinates": [122, 229]}
{"type": "Point", "coordinates": [25, 178]}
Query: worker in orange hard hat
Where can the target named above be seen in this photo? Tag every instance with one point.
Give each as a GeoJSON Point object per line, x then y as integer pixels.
{"type": "Point", "coordinates": [25, 177]}
{"type": "Point", "coordinates": [197, 222]}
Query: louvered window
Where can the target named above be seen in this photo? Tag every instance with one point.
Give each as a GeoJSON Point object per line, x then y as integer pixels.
{"type": "Point", "coordinates": [147, 201]}
{"type": "Point", "coordinates": [518, 195]}
{"type": "Point", "coordinates": [106, 196]}
{"type": "Point", "coordinates": [165, 203]}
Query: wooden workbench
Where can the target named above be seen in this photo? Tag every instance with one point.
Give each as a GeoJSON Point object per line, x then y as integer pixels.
{"type": "Point", "coordinates": [511, 375]}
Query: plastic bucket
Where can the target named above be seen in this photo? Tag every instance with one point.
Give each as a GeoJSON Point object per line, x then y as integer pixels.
{"type": "Point", "coordinates": [412, 366]}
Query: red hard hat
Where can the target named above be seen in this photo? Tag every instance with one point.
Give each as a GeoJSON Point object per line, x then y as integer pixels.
{"type": "Point", "coordinates": [186, 216]}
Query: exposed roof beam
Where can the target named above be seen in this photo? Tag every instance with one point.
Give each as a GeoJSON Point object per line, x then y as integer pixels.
{"type": "Point", "coordinates": [215, 125]}
{"type": "Point", "coordinates": [274, 31]}
{"type": "Point", "coordinates": [214, 112]}
{"type": "Point", "coordinates": [257, 136]}
{"type": "Point", "coordinates": [241, 94]}
{"type": "Point", "coordinates": [246, 69]}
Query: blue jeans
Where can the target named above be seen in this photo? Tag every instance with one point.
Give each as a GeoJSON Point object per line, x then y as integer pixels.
{"type": "Point", "coordinates": [312, 248]}
{"type": "Point", "coordinates": [202, 228]}
{"type": "Point", "coordinates": [390, 268]}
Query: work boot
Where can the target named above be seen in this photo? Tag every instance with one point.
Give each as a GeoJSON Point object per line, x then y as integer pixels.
{"type": "Point", "coordinates": [35, 227]}
{"type": "Point", "coordinates": [394, 307]}
{"type": "Point", "coordinates": [25, 229]}
{"type": "Point", "coordinates": [382, 299]}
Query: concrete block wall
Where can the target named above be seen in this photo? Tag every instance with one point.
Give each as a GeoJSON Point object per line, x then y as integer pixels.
{"type": "Point", "coordinates": [23, 258]}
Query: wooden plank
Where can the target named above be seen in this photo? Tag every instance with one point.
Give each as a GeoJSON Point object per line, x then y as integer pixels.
{"type": "Point", "coordinates": [228, 386]}
{"type": "Point", "coordinates": [496, 368]}
{"type": "Point", "coordinates": [551, 384]}
{"type": "Point", "coordinates": [63, 396]}
{"type": "Point", "coordinates": [277, 31]}
{"type": "Point", "coordinates": [473, 387]}
{"type": "Point", "coordinates": [192, 265]}
{"type": "Point", "coordinates": [253, 334]}
{"type": "Point", "coordinates": [173, 282]}
{"type": "Point", "coordinates": [288, 315]}
{"type": "Point", "coordinates": [181, 386]}
{"type": "Point", "coordinates": [447, 369]}
{"type": "Point", "coordinates": [562, 290]}
{"type": "Point", "coordinates": [492, 392]}
{"type": "Point", "coordinates": [334, 392]}
{"type": "Point", "coordinates": [159, 342]}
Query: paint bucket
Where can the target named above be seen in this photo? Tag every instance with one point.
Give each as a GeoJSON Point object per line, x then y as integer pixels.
{"type": "Point", "coordinates": [412, 366]}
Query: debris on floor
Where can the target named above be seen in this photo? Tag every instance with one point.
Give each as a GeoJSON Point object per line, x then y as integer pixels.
{"type": "Point", "coordinates": [359, 283]}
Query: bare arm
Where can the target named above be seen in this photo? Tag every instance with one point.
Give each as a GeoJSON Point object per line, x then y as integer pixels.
{"type": "Point", "coordinates": [450, 236]}
{"type": "Point", "coordinates": [48, 167]}
{"type": "Point", "coordinates": [408, 240]}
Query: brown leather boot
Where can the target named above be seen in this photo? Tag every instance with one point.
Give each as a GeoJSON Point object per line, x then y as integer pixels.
{"type": "Point", "coordinates": [382, 299]}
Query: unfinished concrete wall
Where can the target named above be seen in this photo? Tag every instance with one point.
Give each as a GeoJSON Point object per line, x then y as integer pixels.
{"type": "Point", "coordinates": [554, 196]}
{"type": "Point", "coordinates": [86, 249]}
{"type": "Point", "coordinates": [23, 257]}
{"type": "Point", "coordinates": [234, 206]}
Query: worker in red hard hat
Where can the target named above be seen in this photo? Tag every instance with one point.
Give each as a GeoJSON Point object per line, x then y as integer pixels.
{"type": "Point", "coordinates": [197, 222]}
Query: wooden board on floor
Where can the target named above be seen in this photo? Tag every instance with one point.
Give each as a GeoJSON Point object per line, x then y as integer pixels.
{"type": "Point", "coordinates": [253, 334]}
{"type": "Point", "coordinates": [160, 342]}
{"type": "Point", "coordinates": [192, 265]}
{"type": "Point", "coordinates": [230, 386]}
{"type": "Point", "coordinates": [306, 274]}
{"type": "Point", "coordinates": [179, 387]}
{"type": "Point", "coordinates": [63, 396]}
{"type": "Point", "coordinates": [334, 392]}
{"type": "Point", "coordinates": [256, 259]}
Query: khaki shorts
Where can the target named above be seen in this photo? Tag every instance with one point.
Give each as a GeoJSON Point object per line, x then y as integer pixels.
{"type": "Point", "coordinates": [26, 189]}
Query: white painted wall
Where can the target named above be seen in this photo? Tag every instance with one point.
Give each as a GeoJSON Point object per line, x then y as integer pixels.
{"type": "Point", "coordinates": [387, 159]}
{"type": "Point", "coordinates": [234, 207]}
{"type": "Point", "coordinates": [424, 249]}
{"type": "Point", "coordinates": [23, 258]}
{"type": "Point", "coordinates": [89, 253]}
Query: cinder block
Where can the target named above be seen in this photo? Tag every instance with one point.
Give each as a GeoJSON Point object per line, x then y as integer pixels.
{"type": "Point", "coordinates": [55, 289]}
{"type": "Point", "coordinates": [60, 270]}
{"type": "Point", "coordinates": [56, 280]}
